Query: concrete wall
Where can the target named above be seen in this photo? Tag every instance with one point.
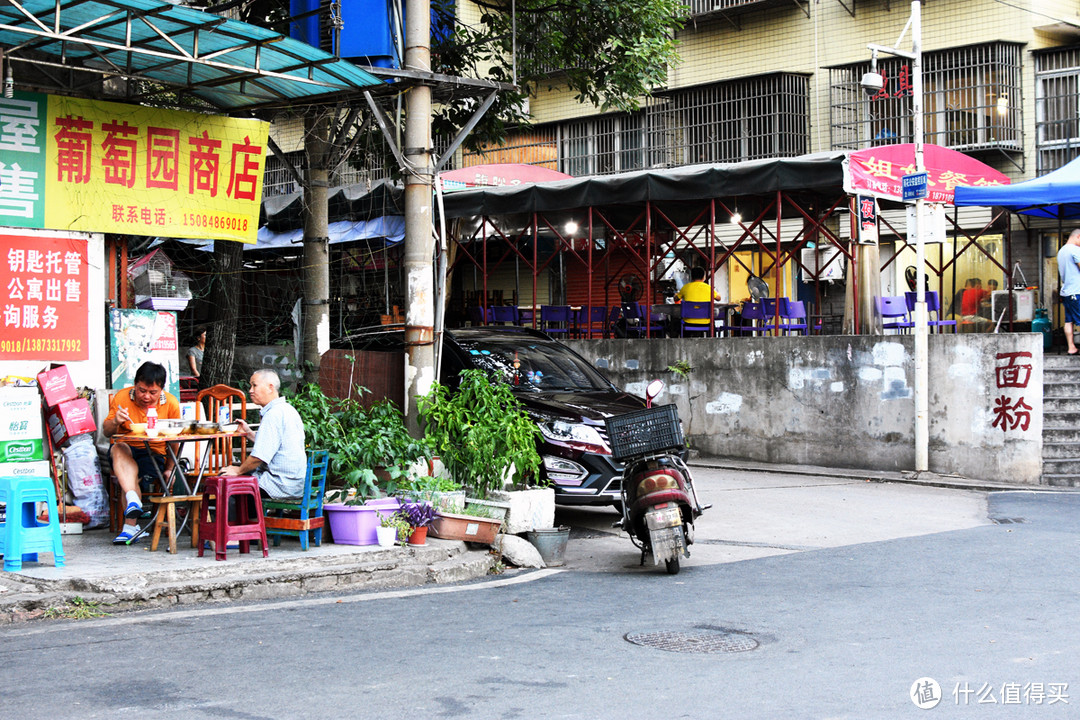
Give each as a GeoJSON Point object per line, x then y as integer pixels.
{"type": "Point", "coordinates": [848, 401]}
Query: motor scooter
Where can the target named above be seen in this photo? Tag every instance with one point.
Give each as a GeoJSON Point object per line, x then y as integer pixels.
{"type": "Point", "coordinates": [659, 503]}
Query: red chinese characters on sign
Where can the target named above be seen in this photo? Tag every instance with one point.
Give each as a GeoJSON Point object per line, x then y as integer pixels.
{"type": "Point", "coordinates": [157, 151]}
{"type": "Point", "coordinates": [43, 282]}
{"type": "Point", "coordinates": [901, 88]}
{"type": "Point", "coordinates": [1012, 413]}
{"type": "Point", "coordinates": [880, 170]}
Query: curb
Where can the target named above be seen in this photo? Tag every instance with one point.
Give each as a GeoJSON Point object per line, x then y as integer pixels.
{"type": "Point", "coordinates": [928, 479]}
{"type": "Point", "coordinates": [26, 598]}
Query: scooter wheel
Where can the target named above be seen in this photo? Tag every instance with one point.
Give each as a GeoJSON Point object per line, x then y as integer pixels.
{"type": "Point", "coordinates": [672, 566]}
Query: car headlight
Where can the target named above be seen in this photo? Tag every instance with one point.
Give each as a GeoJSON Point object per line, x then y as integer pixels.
{"type": "Point", "coordinates": [576, 434]}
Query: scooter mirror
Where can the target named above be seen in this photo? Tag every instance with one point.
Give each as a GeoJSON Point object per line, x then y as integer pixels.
{"type": "Point", "coordinates": [653, 389]}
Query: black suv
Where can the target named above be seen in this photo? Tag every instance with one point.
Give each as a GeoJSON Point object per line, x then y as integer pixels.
{"type": "Point", "coordinates": [566, 396]}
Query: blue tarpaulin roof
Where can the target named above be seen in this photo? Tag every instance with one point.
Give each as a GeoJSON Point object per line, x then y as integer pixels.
{"type": "Point", "coordinates": [1054, 195]}
{"type": "Point", "coordinates": [230, 64]}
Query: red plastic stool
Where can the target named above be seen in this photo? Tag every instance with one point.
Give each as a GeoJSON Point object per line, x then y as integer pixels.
{"type": "Point", "coordinates": [223, 489]}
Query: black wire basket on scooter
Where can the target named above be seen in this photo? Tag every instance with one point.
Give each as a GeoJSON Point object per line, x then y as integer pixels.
{"type": "Point", "coordinates": [645, 432]}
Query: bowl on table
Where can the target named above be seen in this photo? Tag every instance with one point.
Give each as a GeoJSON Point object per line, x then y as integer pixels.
{"type": "Point", "coordinates": [171, 428]}
{"type": "Point", "coordinates": [205, 428]}
{"type": "Point", "coordinates": [138, 428]}
{"type": "Point", "coordinates": [230, 427]}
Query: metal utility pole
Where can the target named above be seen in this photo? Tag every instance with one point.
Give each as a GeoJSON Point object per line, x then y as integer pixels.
{"type": "Point", "coordinates": [922, 338]}
{"type": "Point", "coordinates": [419, 241]}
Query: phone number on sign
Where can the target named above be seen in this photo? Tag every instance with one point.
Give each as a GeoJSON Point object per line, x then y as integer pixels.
{"type": "Point", "coordinates": [219, 222]}
{"type": "Point", "coordinates": [41, 345]}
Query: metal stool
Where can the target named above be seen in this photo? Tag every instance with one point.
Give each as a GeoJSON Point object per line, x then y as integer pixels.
{"type": "Point", "coordinates": [222, 489]}
{"type": "Point", "coordinates": [22, 535]}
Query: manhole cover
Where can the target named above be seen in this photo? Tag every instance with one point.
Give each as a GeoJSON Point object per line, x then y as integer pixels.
{"type": "Point", "coordinates": [1008, 521]}
{"type": "Point", "coordinates": [695, 641]}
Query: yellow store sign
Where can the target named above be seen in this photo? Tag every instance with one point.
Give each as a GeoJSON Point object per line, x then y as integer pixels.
{"type": "Point", "coordinates": [73, 164]}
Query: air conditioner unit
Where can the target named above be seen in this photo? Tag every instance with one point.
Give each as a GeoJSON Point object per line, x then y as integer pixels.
{"type": "Point", "coordinates": [1023, 304]}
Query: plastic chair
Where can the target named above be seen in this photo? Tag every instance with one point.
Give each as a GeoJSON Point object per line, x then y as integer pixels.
{"type": "Point", "coordinates": [221, 451]}
{"type": "Point", "coordinates": [696, 310]}
{"type": "Point", "coordinates": [598, 317]}
{"type": "Point", "coordinates": [755, 313]}
{"type": "Point", "coordinates": [894, 313]}
{"type": "Point", "coordinates": [502, 314]}
{"type": "Point", "coordinates": [933, 305]}
{"type": "Point", "coordinates": [248, 526]}
{"type": "Point", "coordinates": [555, 319]}
{"type": "Point", "coordinates": [301, 517]}
{"type": "Point", "coordinates": [793, 316]}
{"type": "Point", "coordinates": [22, 534]}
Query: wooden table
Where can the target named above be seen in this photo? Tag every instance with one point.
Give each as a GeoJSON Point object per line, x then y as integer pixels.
{"type": "Point", "coordinates": [165, 517]}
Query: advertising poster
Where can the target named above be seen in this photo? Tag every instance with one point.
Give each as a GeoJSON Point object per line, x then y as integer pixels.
{"type": "Point", "coordinates": [43, 286]}
{"type": "Point", "coordinates": [88, 165]}
{"type": "Point", "coordinates": [136, 336]}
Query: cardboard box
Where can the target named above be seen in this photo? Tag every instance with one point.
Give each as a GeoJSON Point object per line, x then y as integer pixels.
{"type": "Point", "coordinates": [20, 425]}
{"type": "Point", "coordinates": [69, 419]}
{"type": "Point", "coordinates": [37, 468]}
{"type": "Point", "coordinates": [56, 386]}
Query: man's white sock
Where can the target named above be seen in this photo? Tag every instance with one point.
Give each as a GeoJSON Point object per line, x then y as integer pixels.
{"type": "Point", "coordinates": [132, 497]}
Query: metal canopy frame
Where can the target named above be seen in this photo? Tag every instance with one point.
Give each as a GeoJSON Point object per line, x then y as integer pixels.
{"type": "Point", "coordinates": [229, 65]}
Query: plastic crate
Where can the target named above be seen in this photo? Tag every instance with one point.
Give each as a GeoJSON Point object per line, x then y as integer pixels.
{"type": "Point", "coordinates": [652, 430]}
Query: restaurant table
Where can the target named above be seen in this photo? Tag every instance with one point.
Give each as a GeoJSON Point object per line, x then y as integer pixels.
{"type": "Point", "coordinates": [173, 447]}
{"type": "Point", "coordinates": [672, 313]}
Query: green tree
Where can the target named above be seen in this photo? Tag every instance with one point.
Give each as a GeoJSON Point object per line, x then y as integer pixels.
{"type": "Point", "coordinates": [609, 53]}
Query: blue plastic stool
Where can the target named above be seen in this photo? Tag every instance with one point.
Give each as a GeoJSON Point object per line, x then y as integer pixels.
{"type": "Point", "coordinates": [22, 535]}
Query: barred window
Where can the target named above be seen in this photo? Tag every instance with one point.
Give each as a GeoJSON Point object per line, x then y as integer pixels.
{"type": "Point", "coordinates": [709, 7]}
{"type": "Point", "coordinates": [745, 119]}
{"type": "Point", "coordinates": [971, 101]}
{"type": "Point", "coordinates": [1057, 108]}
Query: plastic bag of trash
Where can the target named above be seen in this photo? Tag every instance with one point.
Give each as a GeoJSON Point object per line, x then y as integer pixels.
{"type": "Point", "coordinates": [84, 479]}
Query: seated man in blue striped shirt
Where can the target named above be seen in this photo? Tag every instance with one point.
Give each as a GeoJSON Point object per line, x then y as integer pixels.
{"type": "Point", "coordinates": [278, 458]}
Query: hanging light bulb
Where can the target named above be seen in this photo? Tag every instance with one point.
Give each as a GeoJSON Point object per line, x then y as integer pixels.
{"type": "Point", "coordinates": [736, 218]}
{"type": "Point", "coordinates": [571, 227]}
{"type": "Point", "coordinates": [1003, 104]}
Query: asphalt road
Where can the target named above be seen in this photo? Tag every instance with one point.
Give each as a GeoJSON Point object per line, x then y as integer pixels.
{"type": "Point", "coordinates": [817, 600]}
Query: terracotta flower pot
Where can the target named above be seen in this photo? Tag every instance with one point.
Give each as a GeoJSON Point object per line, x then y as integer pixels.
{"type": "Point", "coordinates": [419, 536]}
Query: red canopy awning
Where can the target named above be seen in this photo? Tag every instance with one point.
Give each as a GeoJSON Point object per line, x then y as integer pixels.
{"type": "Point", "coordinates": [496, 175]}
{"type": "Point", "coordinates": [877, 171]}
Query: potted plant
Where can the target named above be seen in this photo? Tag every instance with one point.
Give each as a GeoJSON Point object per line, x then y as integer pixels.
{"type": "Point", "coordinates": [392, 527]}
{"type": "Point", "coordinates": [442, 492]}
{"type": "Point", "coordinates": [419, 515]}
{"type": "Point", "coordinates": [483, 435]}
{"type": "Point", "coordinates": [473, 524]}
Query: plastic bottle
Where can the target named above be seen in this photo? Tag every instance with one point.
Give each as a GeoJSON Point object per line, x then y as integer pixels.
{"type": "Point", "coordinates": [151, 418]}
{"type": "Point", "coordinates": [223, 415]}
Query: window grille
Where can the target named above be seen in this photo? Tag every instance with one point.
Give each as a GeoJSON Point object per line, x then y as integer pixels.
{"type": "Point", "coordinates": [745, 119]}
{"type": "Point", "coordinates": [1057, 108]}
{"type": "Point", "coordinates": [971, 101]}
{"type": "Point", "coordinates": [708, 7]}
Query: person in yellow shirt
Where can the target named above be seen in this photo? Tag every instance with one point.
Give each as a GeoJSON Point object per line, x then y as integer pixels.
{"type": "Point", "coordinates": [697, 290]}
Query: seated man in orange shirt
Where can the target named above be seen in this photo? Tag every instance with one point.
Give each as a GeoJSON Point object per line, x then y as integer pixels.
{"type": "Point", "coordinates": [697, 290]}
{"type": "Point", "coordinates": [131, 461]}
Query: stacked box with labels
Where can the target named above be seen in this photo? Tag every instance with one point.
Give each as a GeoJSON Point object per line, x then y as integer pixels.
{"type": "Point", "coordinates": [68, 419]}
{"type": "Point", "coordinates": [56, 386]}
{"type": "Point", "coordinates": [21, 449]}
{"type": "Point", "coordinates": [20, 425]}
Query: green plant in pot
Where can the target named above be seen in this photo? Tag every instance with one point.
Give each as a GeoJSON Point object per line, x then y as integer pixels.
{"type": "Point", "coordinates": [419, 515]}
{"type": "Point", "coordinates": [480, 431]}
{"type": "Point", "coordinates": [370, 447]}
{"type": "Point", "coordinates": [402, 528]}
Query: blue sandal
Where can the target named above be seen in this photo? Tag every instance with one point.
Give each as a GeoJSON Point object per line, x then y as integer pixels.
{"type": "Point", "coordinates": [124, 538]}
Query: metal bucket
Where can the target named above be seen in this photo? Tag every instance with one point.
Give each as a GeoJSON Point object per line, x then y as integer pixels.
{"type": "Point", "coordinates": [550, 543]}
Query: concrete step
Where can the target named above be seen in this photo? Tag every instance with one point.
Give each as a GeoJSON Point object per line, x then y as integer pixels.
{"type": "Point", "coordinates": [1060, 404]}
{"type": "Point", "coordinates": [1060, 420]}
{"type": "Point", "coordinates": [1060, 450]}
{"type": "Point", "coordinates": [1061, 435]}
{"type": "Point", "coordinates": [1055, 480]}
{"type": "Point", "coordinates": [1053, 389]}
{"type": "Point", "coordinates": [1061, 466]}
{"type": "Point", "coordinates": [1062, 374]}
{"type": "Point", "coordinates": [1060, 361]}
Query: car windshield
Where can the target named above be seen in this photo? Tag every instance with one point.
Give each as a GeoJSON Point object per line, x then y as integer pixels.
{"type": "Point", "coordinates": [539, 366]}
